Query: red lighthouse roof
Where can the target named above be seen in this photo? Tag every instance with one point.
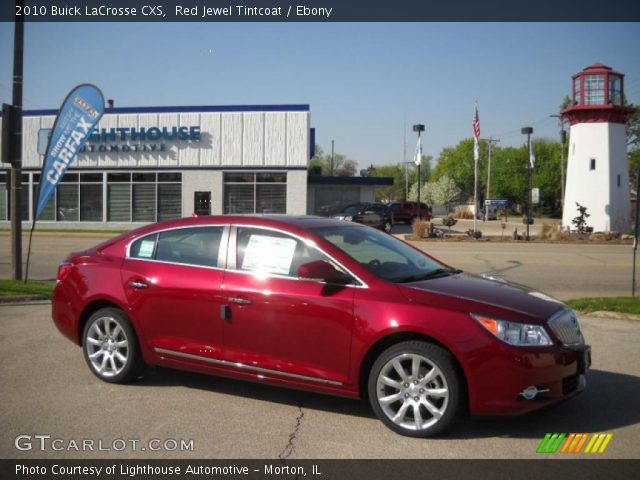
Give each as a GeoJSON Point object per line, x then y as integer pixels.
{"type": "Point", "coordinates": [598, 96]}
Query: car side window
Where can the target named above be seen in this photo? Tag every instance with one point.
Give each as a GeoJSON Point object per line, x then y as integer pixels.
{"type": "Point", "coordinates": [191, 246]}
{"type": "Point", "coordinates": [270, 252]}
{"type": "Point", "coordinates": [144, 247]}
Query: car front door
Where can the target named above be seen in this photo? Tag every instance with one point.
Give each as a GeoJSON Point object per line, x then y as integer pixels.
{"type": "Point", "coordinates": [172, 282]}
{"type": "Point", "coordinates": [280, 325]}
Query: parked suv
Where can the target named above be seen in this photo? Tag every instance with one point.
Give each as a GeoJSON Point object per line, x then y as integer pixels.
{"type": "Point", "coordinates": [407, 212]}
{"type": "Point", "coordinates": [375, 215]}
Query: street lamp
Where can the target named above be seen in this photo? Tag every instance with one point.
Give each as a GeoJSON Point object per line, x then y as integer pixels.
{"type": "Point", "coordinates": [528, 131]}
{"type": "Point", "coordinates": [419, 127]}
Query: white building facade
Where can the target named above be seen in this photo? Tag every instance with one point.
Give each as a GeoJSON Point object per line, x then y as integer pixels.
{"type": "Point", "coordinates": [148, 164]}
{"type": "Point", "coordinates": [597, 167]}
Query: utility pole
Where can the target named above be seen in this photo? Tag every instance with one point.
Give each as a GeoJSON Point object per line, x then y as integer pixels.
{"type": "Point", "coordinates": [331, 166]}
{"type": "Point", "coordinates": [491, 141]}
{"type": "Point", "coordinates": [16, 149]}
{"type": "Point", "coordinates": [404, 162]}
{"type": "Point", "coordinates": [528, 131]}
{"type": "Point", "coordinates": [563, 141]}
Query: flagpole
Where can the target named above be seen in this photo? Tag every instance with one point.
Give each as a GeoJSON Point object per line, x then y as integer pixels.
{"type": "Point", "coordinates": [26, 273]}
{"type": "Point", "coordinates": [476, 157]}
{"type": "Point", "coordinates": [475, 195]}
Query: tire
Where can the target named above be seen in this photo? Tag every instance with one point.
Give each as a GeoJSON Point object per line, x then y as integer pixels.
{"type": "Point", "coordinates": [420, 409]}
{"type": "Point", "coordinates": [387, 226]}
{"type": "Point", "coordinates": [111, 347]}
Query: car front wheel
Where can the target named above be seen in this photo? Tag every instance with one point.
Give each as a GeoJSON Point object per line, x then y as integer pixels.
{"type": "Point", "coordinates": [110, 346]}
{"type": "Point", "coordinates": [387, 226]}
{"type": "Point", "coordinates": [414, 389]}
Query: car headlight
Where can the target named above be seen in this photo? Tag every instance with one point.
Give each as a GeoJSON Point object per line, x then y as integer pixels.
{"type": "Point", "coordinates": [348, 218]}
{"type": "Point", "coordinates": [515, 333]}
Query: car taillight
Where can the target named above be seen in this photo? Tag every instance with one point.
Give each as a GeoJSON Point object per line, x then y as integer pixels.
{"type": "Point", "coordinates": [63, 270]}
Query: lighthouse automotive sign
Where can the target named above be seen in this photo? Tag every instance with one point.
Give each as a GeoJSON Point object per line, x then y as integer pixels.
{"type": "Point", "coordinates": [79, 114]}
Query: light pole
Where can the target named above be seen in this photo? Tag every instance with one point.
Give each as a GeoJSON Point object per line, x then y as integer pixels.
{"type": "Point", "coordinates": [419, 127]}
{"type": "Point", "coordinates": [528, 131]}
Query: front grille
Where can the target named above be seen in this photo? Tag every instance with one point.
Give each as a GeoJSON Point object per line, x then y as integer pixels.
{"type": "Point", "coordinates": [569, 384]}
{"type": "Point", "coordinates": [565, 325]}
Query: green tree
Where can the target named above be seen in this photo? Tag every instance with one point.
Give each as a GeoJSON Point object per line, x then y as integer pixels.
{"type": "Point", "coordinates": [545, 175]}
{"type": "Point", "coordinates": [443, 191]}
{"type": "Point", "coordinates": [342, 166]}
{"type": "Point", "coordinates": [457, 163]}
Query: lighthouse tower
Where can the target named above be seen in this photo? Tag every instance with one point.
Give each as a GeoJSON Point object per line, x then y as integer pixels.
{"type": "Point", "coordinates": [597, 168]}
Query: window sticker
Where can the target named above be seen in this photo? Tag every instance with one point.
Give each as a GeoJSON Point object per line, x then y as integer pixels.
{"type": "Point", "coordinates": [146, 248]}
{"type": "Point", "coordinates": [269, 254]}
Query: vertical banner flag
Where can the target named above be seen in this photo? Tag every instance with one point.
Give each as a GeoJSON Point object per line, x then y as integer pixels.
{"type": "Point", "coordinates": [78, 116]}
{"type": "Point", "coordinates": [532, 155]}
{"type": "Point", "coordinates": [476, 134]}
{"type": "Point", "coordinates": [418, 160]}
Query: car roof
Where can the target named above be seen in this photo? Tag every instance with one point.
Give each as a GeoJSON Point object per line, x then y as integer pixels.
{"type": "Point", "coordinates": [273, 220]}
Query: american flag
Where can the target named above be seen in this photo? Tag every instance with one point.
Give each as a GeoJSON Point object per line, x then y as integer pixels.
{"type": "Point", "coordinates": [476, 123]}
{"type": "Point", "coordinates": [476, 134]}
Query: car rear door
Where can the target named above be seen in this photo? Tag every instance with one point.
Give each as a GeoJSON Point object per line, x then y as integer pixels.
{"type": "Point", "coordinates": [172, 282]}
{"type": "Point", "coordinates": [280, 325]}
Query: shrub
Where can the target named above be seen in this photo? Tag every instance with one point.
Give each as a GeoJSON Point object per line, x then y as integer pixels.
{"type": "Point", "coordinates": [420, 228]}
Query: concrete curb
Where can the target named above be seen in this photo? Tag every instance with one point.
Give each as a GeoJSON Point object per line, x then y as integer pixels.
{"type": "Point", "coordinates": [23, 299]}
{"type": "Point", "coordinates": [612, 315]}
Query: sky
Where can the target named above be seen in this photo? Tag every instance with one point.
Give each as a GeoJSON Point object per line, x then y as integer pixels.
{"type": "Point", "coordinates": [366, 83]}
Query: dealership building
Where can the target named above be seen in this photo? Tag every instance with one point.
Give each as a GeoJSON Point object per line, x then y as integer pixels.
{"type": "Point", "coordinates": [148, 164]}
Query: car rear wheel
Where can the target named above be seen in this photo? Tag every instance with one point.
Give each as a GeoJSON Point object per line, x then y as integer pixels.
{"type": "Point", "coordinates": [110, 346]}
{"type": "Point", "coordinates": [414, 389]}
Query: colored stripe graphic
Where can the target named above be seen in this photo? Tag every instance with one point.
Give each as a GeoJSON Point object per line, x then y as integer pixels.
{"type": "Point", "coordinates": [572, 443]}
{"type": "Point", "coordinates": [550, 443]}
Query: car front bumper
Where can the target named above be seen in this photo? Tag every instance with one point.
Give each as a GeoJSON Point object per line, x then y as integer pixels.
{"type": "Point", "coordinates": [521, 380]}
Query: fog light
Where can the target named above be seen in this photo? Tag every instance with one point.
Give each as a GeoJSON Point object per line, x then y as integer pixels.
{"type": "Point", "coordinates": [532, 392]}
{"type": "Point", "coordinates": [529, 393]}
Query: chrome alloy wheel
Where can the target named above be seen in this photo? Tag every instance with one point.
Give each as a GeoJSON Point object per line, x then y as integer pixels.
{"type": "Point", "coordinates": [107, 346]}
{"type": "Point", "coordinates": [412, 391]}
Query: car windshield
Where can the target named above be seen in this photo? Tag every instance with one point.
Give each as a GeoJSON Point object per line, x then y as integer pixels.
{"type": "Point", "coordinates": [383, 254]}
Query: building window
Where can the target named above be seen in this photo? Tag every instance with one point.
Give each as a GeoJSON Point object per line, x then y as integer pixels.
{"type": "Point", "coordinates": [331, 200]}
{"type": "Point", "coordinates": [618, 180]}
{"type": "Point", "coordinates": [592, 164]}
{"type": "Point", "coordinates": [67, 196]}
{"type": "Point", "coordinates": [576, 90]}
{"type": "Point", "coordinates": [615, 90]}
{"type": "Point", "coordinates": [119, 197]}
{"type": "Point", "coordinates": [255, 192]}
{"type": "Point", "coordinates": [594, 90]}
{"type": "Point", "coordinates": [49, 211]}
{"type": "Point", "coordinates": [91, 197]}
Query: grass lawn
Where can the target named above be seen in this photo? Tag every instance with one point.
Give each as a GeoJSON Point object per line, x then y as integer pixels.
{"type": "Point", "coordinates": [611, 304]}
{"type": "Point", "coordinates": [10, 288]}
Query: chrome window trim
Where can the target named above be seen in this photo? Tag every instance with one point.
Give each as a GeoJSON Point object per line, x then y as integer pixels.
{"type": "Point", "coordinates": [232, 254]}
{"type": "Point", "coordinates": [243, 366]}
{"type": "Point", "coordinates": [221, 256]}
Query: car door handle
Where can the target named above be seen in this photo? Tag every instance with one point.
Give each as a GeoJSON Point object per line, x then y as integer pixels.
{"type": "Point", "coordinates": [138, 284]}
{"type": "Point", "coordinates": [240, 301]}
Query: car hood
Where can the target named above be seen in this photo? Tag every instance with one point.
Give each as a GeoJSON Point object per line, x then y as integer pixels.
{"type": "Point", "coordinates": [494, 292]}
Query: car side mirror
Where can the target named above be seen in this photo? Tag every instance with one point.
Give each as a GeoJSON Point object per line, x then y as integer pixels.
{"type": "Point", "coordinates": [321, 270]}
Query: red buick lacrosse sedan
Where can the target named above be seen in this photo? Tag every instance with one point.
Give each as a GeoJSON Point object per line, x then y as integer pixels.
{"type": "Point", "coordinates": [323, 305]}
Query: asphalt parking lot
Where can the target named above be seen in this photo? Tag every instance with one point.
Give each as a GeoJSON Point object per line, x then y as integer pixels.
{"type": "Point", "coordinates": [48, 390]}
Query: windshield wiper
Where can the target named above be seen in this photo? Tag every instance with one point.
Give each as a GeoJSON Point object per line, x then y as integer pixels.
{"type": "Point", "coordinates": [438, 272]}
